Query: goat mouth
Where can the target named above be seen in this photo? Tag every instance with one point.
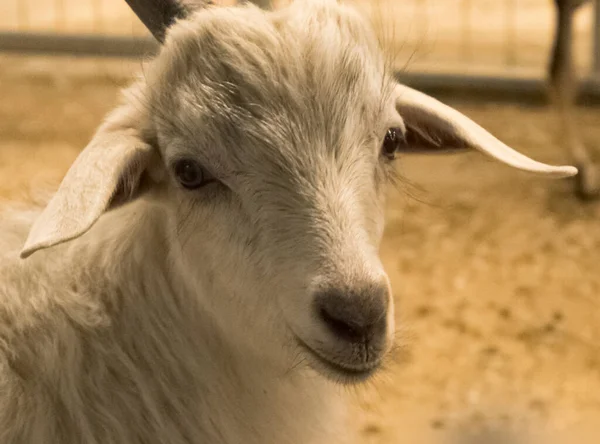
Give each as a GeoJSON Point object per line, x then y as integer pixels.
{"type": "Point", "coordinates": [337, 372]}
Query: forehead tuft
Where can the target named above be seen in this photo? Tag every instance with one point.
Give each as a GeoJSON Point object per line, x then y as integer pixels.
{"type": "Point", "coordinates": [313, 65]}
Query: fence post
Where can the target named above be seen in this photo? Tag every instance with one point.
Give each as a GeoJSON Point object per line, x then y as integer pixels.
{"type": "Point", "coordinates": [596, 42]}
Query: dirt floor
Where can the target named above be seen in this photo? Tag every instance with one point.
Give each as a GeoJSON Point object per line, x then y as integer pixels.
{"type": "Point", "coordinates": [495, 272]}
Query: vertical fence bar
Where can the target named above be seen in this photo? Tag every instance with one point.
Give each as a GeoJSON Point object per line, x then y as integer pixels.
{"type": "Point", "coordinates": [59, 14]}
{"type": "Point", "coordinates": [421, 20]}
{"type": "Point", "coordinates": [510, 18]}
{"type": "Point", "coordinates": [23, 14]}
{"type": "Point", "coordinates": [596, 37]}
{"type": "Point", "coordinates": [466, 30]}
{"type": "Point", "coordinates": [97, 12]}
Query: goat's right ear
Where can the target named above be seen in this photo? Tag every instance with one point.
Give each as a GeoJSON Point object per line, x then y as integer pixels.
{"type": "Point", "coordinates": [109, 167]}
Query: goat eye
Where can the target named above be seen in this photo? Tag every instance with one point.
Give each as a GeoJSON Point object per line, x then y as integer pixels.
{"type": "Point", "coordinates": [391, 144]}
{"type": "Point", "coordinates": [190, 174]}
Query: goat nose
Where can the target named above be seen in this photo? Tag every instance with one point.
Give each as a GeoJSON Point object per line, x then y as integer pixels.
{"type": "Point", "coordinates": [354, 316]}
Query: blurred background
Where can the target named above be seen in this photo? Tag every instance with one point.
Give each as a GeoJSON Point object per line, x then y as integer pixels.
{"type": "Point", "coordinates": [495, 272]}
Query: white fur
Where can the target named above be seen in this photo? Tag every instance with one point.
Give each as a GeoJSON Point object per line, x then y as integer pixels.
{"type": "Point", "coordinates": [122, 354]}
{"type": "Point", "coordinates": [147, 313]}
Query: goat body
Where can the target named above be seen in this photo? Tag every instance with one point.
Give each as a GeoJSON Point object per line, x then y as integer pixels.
{"type": "Point", "coordinates": [105, 345]}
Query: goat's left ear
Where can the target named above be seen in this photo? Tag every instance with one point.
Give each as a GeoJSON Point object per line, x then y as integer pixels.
{"type": "Point", "coordinates": [433, 127]}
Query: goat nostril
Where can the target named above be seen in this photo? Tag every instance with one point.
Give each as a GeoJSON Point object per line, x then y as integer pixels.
{"type": "Point", "coordinates": [353, 316]}
{"type": "Point", "coordinates": [342, 328]}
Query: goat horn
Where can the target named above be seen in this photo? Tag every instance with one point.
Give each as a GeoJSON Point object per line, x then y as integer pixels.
{"type": "Point", "coordinates": [158, 15]}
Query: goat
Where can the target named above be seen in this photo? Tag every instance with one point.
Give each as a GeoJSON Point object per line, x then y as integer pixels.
{"type": "Point", "coordinates": [208, 269]}
{"type": "Point", "coordinates": [562, 91]}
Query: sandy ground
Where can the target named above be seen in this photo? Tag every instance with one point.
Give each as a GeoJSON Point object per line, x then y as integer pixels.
{"type": "Point", "coordinates": [495, 272]}
{"type": "Point", "coordinates": [447, 35]}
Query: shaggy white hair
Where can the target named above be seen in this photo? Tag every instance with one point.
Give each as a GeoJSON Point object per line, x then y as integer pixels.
{"type": "Point", "coordinates": [154, 313]}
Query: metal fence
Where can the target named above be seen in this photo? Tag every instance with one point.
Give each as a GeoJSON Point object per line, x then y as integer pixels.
{"type": "Point", "coordinates": [80, 27]}
{"type": "Point", "coordinates": [461, 41]}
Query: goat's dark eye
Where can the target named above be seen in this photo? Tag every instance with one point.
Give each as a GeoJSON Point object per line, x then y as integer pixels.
{"type": "Point", "coordinates": [190, 174]}
{"type": "Point", "coordinates": [393, 139]}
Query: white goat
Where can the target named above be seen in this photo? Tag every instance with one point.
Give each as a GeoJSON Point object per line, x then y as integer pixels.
{"type": "Point", "coordinates": [208, 269]}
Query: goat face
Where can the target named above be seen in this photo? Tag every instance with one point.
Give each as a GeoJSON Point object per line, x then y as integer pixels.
{"type": "Point", "coordinates": [284, 117]}
{"type": "Point", "coordinates": [269, 138]}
